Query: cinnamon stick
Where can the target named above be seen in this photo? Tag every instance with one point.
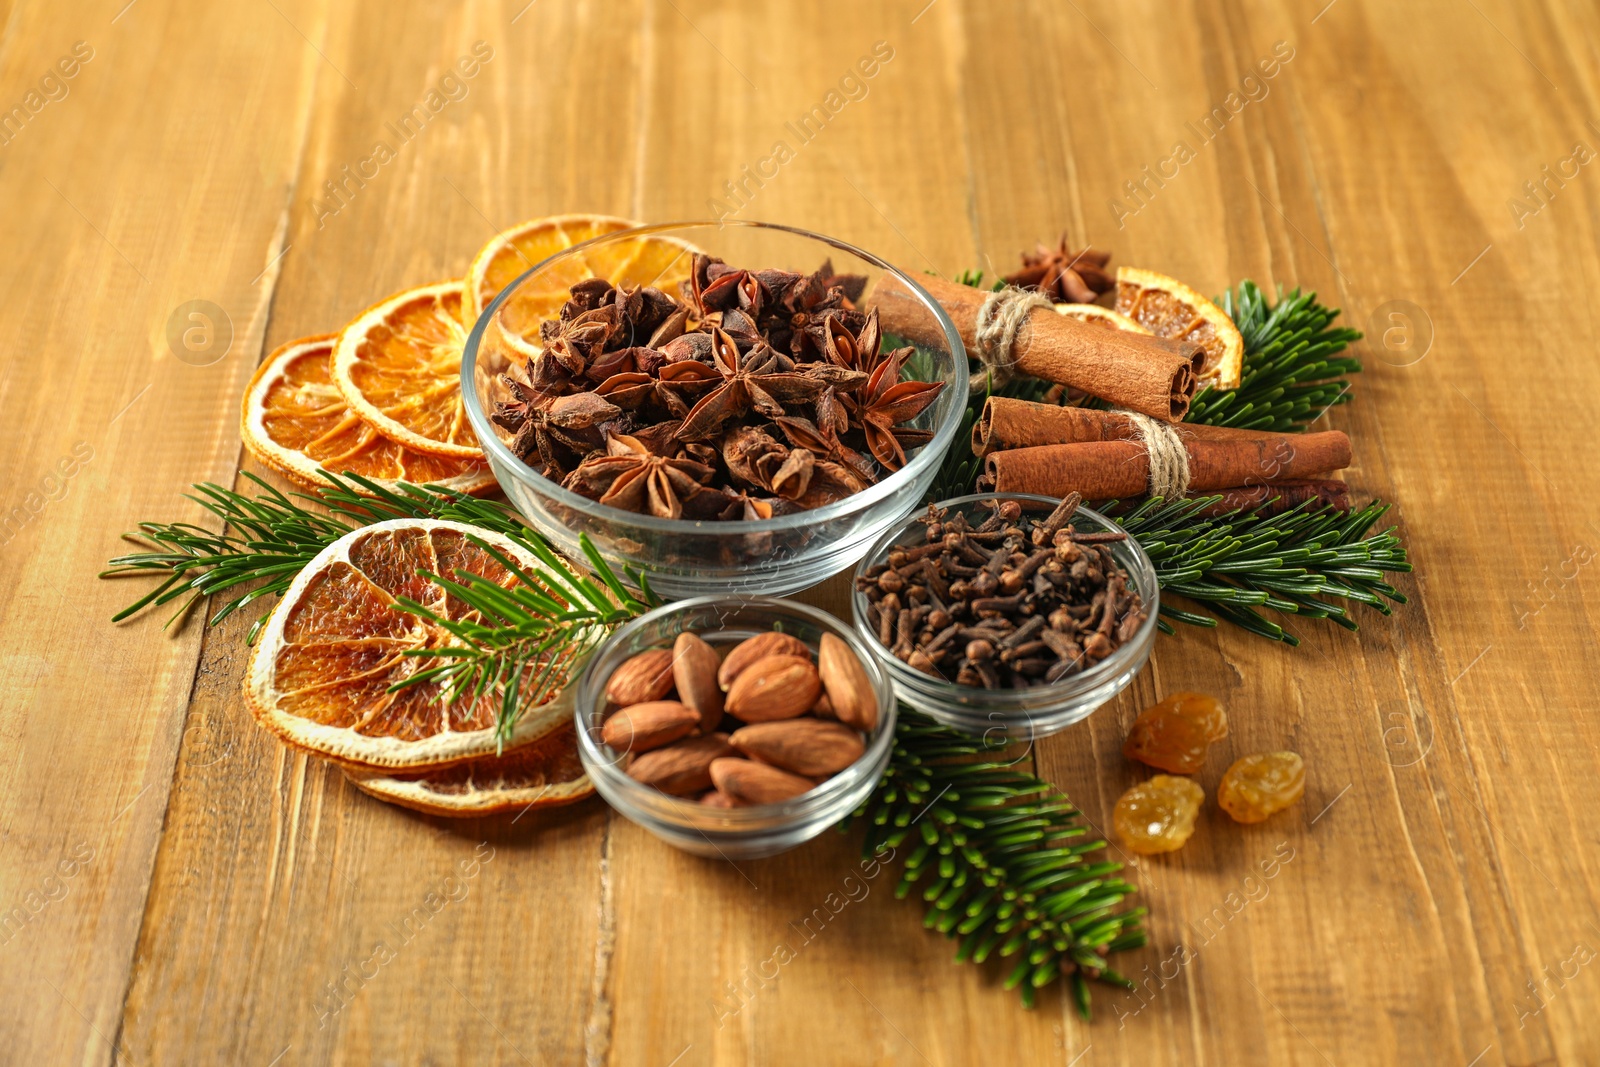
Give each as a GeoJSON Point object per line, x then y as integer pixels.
{"type": "Point", "coordinates": [1101, 470]}
{"type": "Point", "coordinates": [1140, 372]}
{"type": "Point", "coordinates": [1010, 423]}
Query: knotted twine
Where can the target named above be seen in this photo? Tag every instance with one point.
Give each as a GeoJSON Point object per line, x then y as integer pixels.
{"type": "Point", "coordinates": [1001, 319]}
{"type": "Point", "coordinates": [1169, 459]}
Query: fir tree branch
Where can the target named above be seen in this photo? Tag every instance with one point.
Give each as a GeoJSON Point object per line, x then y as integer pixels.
{"type": "Point", "coordinates": [528, 641]}
{"type": "Point", "coordinates": [531, 639]}
{"type": "Point", "coordinates": [268, 538]}
{"type": "Point", "coordinates": [1302, 562]}
{"type": "Point", "coordinates": [1290, 374]}
{"type": "Point", "coordinates": [995, 852]}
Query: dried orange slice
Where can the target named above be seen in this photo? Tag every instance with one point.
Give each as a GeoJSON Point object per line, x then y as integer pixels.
{"type": "Point", "coordinates": [1168, 308]}
{"type": "Point", "coordinates": [1095, 315]}
{"type": "Point", "coordinates": [398, 366]}
{"type": "Point", "coordinates": [297, 423]}
{"type": "Point", "coordinates": [320, 673]}
{"type": "Point", "coordinates": [643, 259]}
{"type": "Point", "coordinates": [543, 774]}
{"type": "Point", "coordinates": [526, 245]}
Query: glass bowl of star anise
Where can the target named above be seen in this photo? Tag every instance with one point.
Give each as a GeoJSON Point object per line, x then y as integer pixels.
{"type": "Point", "coordinates": [714, 404]}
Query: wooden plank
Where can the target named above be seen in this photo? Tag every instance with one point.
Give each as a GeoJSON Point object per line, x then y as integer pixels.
{"type": "Point", "coordinates": [120, 209]}
{"type": "Point", "coordinates": [314, 884]}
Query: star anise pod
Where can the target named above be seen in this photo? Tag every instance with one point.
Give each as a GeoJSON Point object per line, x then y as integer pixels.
{"type": "Point", "coordinates": [629, 390]}
{"type": "Point", "coordinates": [743, 451]}
{"type": "Point", "coordinates": [640, 311]}
{"type": "Point", "coordinates": [742, 504]}
{"type": "Point", "coordinates": [694, 346]}
{"type": "Point", "coordinates": [886, 403]}
{"type": "Point", "coordinates": [624, 361]}
{"type": "Point", "coordinates": [524, 400]}
{"type": "Point", "coordinates": [803, 433]}
{"type": "Point", "coordinates": [631, 477]}
{"type": "Point", "coordinates": [715, 286]}
{"type": "Point", "coordinates": [673, 389]}
{"type": "Point", "coordinates": [808, 482]}
{"type": "Point", "coordinates": [793, 319]}
{"type": "Point", "coordinates": [857, 350]}
{"type": "Point", "coordinates": [749, 382]}
{"type": "Point", "coordinates": [757, 460]}
{"type": "Point", "coordinates": [830, 483]}
{"type": "Point", "coordinates": [575, 342]}
{"type": "Point", "coordinates": [1065, 276]}
{"type": "Point", "coordinates": [672, 327]}
{"type": "Point", "coordinates": [556, 434]}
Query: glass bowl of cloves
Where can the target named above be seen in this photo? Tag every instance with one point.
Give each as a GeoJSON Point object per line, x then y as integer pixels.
{"type": "Point", "coordinates": [724, 406]}
{"type": "Point", "coordinates": [735, 727]}
{"type": "Point", "coordinates": [1009, 615]}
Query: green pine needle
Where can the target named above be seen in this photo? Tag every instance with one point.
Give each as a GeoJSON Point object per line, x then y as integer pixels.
{"type": "Point", "coordinates": [1303, 562]}
{"type": "Point", "coordinates": [998, 857]}
{"type": "Point", "coordinates": [1290, 374]}
{"type": "Point", "coordinates": [527, 641]}
{"type": "Point", "coordinates": [536, 635]}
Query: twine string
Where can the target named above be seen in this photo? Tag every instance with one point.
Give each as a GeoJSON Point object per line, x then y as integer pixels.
{"type": "Point", "coordinates": [1000, 320]}
{"type": "Point", "coordinates": [1169, 459]}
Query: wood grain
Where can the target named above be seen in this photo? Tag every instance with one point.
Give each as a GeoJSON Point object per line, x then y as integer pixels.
{"type": "Point", "coordinates": [1435, 899]}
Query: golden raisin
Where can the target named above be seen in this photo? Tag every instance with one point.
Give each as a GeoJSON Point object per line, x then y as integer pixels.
{"type": "Point", "coordinates": [1261, 785]}
{"type": "Point", "coordinates": [1204, 711]}
{"type": "Point", "coordinates": [1163, 738]}
{"type": "Point", "coordinates": [1175, 733]}
{"type": "Point", "coordinates": [1158, 815]}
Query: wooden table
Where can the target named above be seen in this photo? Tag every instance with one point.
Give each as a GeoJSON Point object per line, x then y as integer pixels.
{"type": "Point", "coordinates": [189, 889]}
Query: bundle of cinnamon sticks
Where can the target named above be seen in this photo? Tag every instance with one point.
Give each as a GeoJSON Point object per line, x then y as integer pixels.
{"type": "Point", "coordinates": [1052, 451]}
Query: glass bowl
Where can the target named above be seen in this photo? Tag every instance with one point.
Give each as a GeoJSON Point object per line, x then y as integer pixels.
{"type": "Point", "coordinates": [1017, 713]}
{"type": "Point", "coordinates": [689, 558]}
{"type": "Point", "coordinates": [730, 833]}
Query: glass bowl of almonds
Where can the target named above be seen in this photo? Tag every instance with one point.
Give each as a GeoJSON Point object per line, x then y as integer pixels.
{"type": "Point", "coordinates": [714, 403]}
{"type": "Point", "coordinates": [735, 726]}
{"type": "Point", "coordinates": [1009, 615]}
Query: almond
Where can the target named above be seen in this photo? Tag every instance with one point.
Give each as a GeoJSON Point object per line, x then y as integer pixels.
{"type": "Point", "coordinates": [642, 727]}
{"type": "Point", "coordinates": [756, 783]}
{"type": "Point", "coordinates": [683, 769]}
{"type": "Point", "coordinates": [748, 651]}
{"type": "Point", "coordinates": [716, 799]}
{"type": "Point", "coordinates": [846, 682]}
{"type": "Point", "coordinates": [694, 670]}
{"type": "Point", "coordinates": [823, 708]}
{"type": "Point", "coordinates": [805, 746]}
{"type": "Point", "coordinates": [642, 678]}
{"type": "Point", "coordinates": [774, 687]}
